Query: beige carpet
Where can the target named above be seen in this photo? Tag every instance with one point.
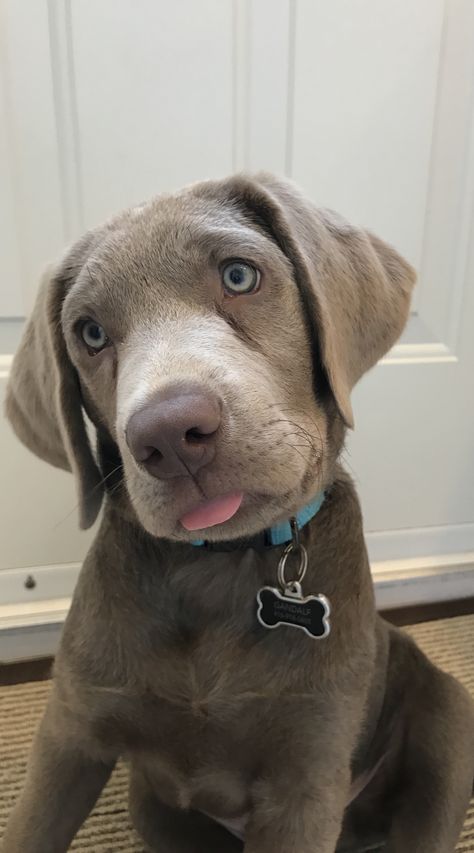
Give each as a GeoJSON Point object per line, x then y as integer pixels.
{"type": "Point", "coordinates": [450, 643]}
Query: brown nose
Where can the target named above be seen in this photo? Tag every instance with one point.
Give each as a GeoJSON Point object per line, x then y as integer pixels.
{"type": "Point", "coordinates": [174, 435]}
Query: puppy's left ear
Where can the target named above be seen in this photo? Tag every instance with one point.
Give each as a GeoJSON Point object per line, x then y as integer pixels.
{"type": "Point", "coordinates": [43, 400]}
{"type": "Point", "coordinates": [355, 288]}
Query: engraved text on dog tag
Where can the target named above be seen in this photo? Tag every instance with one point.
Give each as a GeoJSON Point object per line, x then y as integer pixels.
{"type": "Point", "coordinates": [310, 612]}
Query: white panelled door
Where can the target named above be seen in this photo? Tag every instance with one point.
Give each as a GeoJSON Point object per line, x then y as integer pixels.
{"type": "Point", "coordinates": [369, 107]}
{"type": "Point", "coordinates": [382, 130]}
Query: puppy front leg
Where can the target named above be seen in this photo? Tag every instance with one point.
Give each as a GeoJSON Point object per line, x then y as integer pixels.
{"type": "Point", "coordinates": [438, 767]}
{"type": "Point", "coordinates": [61, 787]}
{"type": "Point", "coordinates": [289, 819]}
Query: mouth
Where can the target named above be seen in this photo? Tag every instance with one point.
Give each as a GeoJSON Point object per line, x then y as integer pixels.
{"type": "Point", "coordinates": [213, 512]}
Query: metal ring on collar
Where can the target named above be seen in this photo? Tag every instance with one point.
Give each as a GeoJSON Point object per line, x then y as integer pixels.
{"type": "Point", "coordinates": [290, 549]}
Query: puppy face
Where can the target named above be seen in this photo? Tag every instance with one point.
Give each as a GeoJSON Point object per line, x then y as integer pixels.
{"type": "Point", "coordinates": [213, 337]}
{"type": "Point", "coordinates": [160, 293]}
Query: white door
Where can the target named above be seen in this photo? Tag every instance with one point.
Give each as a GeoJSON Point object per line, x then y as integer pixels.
{"type": "Point", "coordinates": [369, 107]}
{"type": "Point", "coordinates": [382, 130]}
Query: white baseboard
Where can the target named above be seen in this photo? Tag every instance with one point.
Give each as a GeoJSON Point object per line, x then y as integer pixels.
{"type": "Point", "coordinates": [423, 580]}
{"type": "Point", "coordinates": [27, 643]}
{"type": "Point", "coordinates": [31, 622]}
{"type": "Point", "coordinates": [30, 626]}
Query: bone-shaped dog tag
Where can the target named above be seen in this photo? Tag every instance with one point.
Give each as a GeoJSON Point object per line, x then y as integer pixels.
{"type": "Point", "coordinates": [310, 613]}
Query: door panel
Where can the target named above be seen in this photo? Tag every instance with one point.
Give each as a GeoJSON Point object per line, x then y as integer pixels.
{"type": "Point", "coordinates": [38, 508]}
{"type": "Point", "coordinates": [32, 231]}
{"type": "Point", "coordinates": [154, 94]}
{"type": "Point", "coordinates": [11, 302]}
{"type": "Point", "coordinates": [364, 101]}
{"type": "Point", "coordinates": [369, 110]}
{"type": "Point", "coordinates": [382, 132]}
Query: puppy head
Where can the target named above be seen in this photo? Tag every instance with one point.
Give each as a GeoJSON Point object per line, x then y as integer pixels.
{"type": "Point", "coordinates": [213, 337]}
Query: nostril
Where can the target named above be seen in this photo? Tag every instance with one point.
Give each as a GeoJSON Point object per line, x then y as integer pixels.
{"type": "Point", "coordinates": [149, 453]}
{"type": "Point", "coordinates": [197, 436]}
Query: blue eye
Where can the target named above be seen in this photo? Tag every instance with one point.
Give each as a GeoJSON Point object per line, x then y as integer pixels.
{"type": "Point", "coordinates": [239, 277]}
{"type": "Point", "coordinates": [94, 335]}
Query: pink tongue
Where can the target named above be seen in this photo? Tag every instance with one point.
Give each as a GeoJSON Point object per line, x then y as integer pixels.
{"type": "Point", "coordinates": [212, 512]}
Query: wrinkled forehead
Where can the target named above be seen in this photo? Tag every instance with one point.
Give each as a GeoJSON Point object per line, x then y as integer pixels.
{"type": "Point", "coordinates": [164, 253]}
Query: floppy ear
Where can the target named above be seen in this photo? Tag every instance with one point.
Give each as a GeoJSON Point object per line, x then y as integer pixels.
{"type": "Point", "coordinates": [355, 288]}
{"type": "Point", "coordinates": [43, 399]}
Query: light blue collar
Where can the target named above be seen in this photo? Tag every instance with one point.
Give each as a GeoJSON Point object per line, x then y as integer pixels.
{"type": "Point", "coordinates": [279, 534]}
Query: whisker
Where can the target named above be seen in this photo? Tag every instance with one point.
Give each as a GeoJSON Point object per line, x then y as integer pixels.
{"type": "Point", "coordinates": [344, 456]}
{"type": "Point", "coordinates": [303, 432]}
{"type": "Point", "coordinates": [301, 435]}
{"type": "Point", "coordinates": [293, 447]}
{"type": "Point", "coordinates": [89, 493]}
{"type": "Point", "coordinates": [117, 486]}
{"type": "Point", "coordinates": [104, 479]}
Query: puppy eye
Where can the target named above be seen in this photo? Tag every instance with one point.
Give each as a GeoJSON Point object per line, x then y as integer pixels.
{"type": "Point", "coordinates": [239, 277]}
{"type": "Point", "coordinates": [94, 336]}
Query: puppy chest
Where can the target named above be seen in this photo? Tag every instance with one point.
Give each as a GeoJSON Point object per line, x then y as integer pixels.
{"type": "Point", "coordinates": [219, 791]}
{"type": "Point", "coordinates": [186, 731]}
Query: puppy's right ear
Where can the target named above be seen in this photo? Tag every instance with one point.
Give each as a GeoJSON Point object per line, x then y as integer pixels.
{"type": "Point", "coordinates": [43, 400]}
